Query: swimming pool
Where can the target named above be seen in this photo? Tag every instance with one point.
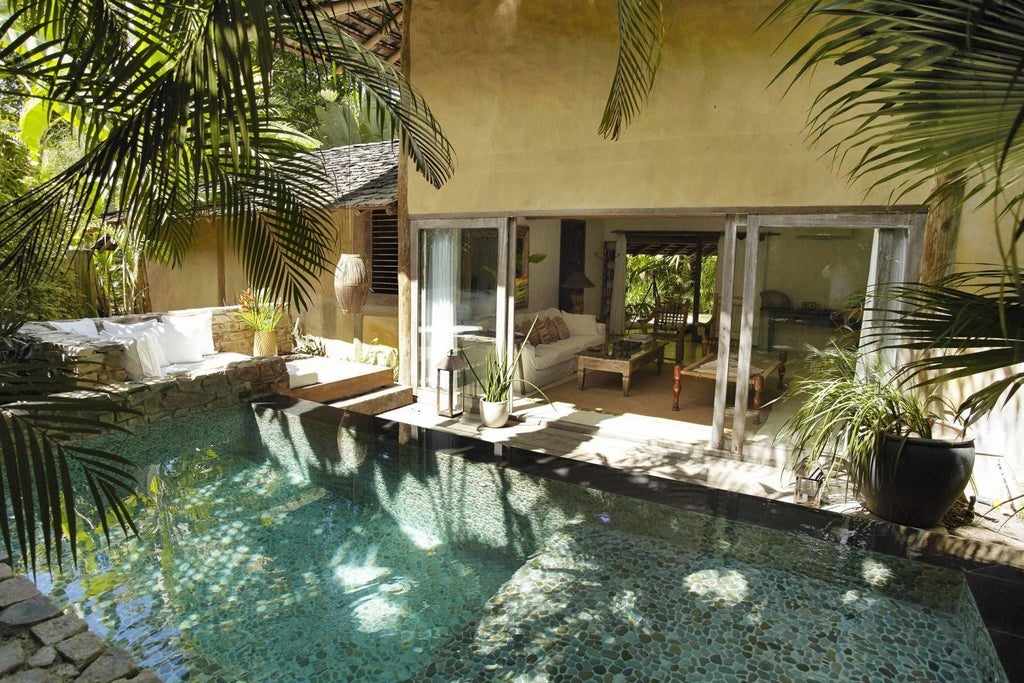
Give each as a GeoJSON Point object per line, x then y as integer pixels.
{"type": "Point", "coordinates": [304, 544]}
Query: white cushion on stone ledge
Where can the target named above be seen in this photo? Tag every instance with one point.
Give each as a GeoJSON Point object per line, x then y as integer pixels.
{"type": "Point", "coordinates": [208, 363]}
{"type": "Point", "coordinates": [85, 327]}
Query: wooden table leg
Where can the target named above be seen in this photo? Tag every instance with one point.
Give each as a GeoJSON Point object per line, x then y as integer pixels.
{"type": "Point", "coordinates": [783, 357]}
{"type": "Point", "coordinates": [581, 375]}
{"type": "Point", "coordinates": [677, 382]}
{"type": "Point", "coordinates": [625, 382]}
{"type": "Point", "coordinates": [758, 383]}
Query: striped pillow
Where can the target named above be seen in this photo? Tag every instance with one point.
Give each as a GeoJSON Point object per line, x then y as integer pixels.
{"type": "Point", "coordinates": [548, 331]}
{"type": "Point", "coordinates": [563, 329]}
{"type": "Point", "coordinates": [534, 334]}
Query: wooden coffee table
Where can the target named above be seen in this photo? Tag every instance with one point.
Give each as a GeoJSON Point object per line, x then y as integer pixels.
{"type": "Point", "coordinates": [626, 365]}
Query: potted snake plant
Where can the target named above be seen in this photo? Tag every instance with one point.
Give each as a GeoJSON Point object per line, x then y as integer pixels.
{"type": "Point", "coordinates": [889, 439]}
{"type": "Point", "coordinates": [496, 383]}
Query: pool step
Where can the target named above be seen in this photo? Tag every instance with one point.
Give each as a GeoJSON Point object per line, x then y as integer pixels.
{"type": "Point", "coordinates": [378, 401]}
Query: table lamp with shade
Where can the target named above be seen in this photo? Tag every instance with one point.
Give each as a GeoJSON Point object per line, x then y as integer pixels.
{"type": "Point", "coordinates": [576, 283]}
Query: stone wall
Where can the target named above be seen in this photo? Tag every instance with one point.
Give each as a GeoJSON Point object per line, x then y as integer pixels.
{"type": "Point", "coordinates": [102, 360]}
{"type": "Point", "coordinates": [153, 400]}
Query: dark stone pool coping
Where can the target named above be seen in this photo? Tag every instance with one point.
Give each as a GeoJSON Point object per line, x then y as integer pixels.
{"type": "Point", "coordinates": [994, 572]}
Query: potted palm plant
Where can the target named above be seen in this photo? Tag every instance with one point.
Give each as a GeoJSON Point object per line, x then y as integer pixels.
{"type": "Point", "coordinates": [906, 465]}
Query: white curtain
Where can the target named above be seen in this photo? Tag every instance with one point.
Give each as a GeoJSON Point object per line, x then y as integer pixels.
{"type": "Point", "coordinates": [440, 278]}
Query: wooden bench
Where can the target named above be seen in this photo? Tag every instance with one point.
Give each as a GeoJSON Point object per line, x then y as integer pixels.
{"type": "Point", "coordinates": [759, 370]}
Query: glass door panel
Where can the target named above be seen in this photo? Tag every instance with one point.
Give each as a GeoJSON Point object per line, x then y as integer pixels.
{"type": "Point", "coordinates": [459, 306]}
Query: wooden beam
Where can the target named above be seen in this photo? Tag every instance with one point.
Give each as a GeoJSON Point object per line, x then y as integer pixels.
{"type": "Point", "coordinates": [350, 6]}
{"type": "Point", "coordinates": [407, 263]}
{"type": "Point", "coordinates": [372, 41]}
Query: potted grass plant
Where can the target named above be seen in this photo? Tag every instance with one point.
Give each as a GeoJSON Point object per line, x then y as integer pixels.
{"type": "Point", "coordinates": [499, 373]}
{"type": "Point", "coordinates": [861, 419]}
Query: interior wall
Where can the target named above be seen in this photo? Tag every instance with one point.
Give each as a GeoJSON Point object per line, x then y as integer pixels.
{"type": "Point", "coordinates": [545, 238]}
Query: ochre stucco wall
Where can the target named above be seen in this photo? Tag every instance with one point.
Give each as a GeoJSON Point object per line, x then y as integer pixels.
{"type": "Point", "coordinates": [193, 284]}
{"type": "Point", "coordinates": [519, 88]}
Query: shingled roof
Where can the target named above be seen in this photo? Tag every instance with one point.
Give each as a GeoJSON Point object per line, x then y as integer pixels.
{"type": "Point", "coordinates": [364, 176]}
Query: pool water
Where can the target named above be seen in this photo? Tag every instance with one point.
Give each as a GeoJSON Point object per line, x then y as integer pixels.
{"type": "Point", "coordinates": [277, 548]}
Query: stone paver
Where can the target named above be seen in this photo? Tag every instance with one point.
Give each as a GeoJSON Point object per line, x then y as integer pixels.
{"type": "Point", "coordinates": [82, 649]}
{"type": "Point", "coordinates": [12, 656]}
{"type": "Point", "coordinates": [41, 644]}
{"type": "Point", "coordinates": [112, 664]}
{"type": "Point", "coordinates": [44, 657]}
{"type": "Point", "coordinates": [56, 630]}
{"type": "Point", "coordinates": [16, 589]}
{"type": "Point", "coordinates": [28, 612]}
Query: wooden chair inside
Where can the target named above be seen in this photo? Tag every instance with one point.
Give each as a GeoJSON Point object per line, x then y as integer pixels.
{"type": "Point", "coordinates": [670, 324]}
{"type": "Point", "coordinates": [709, 331]}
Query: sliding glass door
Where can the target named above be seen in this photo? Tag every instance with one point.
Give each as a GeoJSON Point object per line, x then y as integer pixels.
{"type": "Point", "coordinates": [461, 290]}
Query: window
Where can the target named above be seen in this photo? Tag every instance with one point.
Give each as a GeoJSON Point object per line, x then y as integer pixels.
{"type": "Point", "coordinates": [383, 252]}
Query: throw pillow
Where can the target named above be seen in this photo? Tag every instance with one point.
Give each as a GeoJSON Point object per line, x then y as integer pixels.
{"type": "Point", "coordinates": [198, 326]}
{"type": "Point", "coordinates": [580, 323]}
{"type": "Point", "coordinates": [178, 344]}
{"type": "Point", "coordinates": [548, 332]}
{"type": "Point", "coordinates": [563, 329]}
{"type": "Point", "coordinates": [123, 330]}
{"type": "Point", "coordinates": [85, 327]}
{"type": "Point", "coordinates": [140, 353]}
{"type": "Point", "coordinates": [534, 335]}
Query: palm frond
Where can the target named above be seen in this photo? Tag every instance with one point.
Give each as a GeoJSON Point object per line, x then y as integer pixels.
{"type": "Point", "coordinates": [173, 102]}
{"type": "Point", "coordinates": [963, 325]}
{"type": "Point", "coordinates": [927, 86]}
{"type": "Point", "coordinates": [641, 34]}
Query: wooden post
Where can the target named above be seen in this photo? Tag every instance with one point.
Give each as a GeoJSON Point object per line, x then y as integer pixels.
{"type": "Point", "coordinates": [942, 227]}
{"type": "Point", "coordinates": [405, 302]}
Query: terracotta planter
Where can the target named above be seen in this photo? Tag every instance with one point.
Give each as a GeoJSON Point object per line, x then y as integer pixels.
{"type": "Point", "coordinates": [914, 481]}
{"type": "Point", "coordinates": [264, 343]}
{"type": "Point", "coordinates": [493, 413]}
{"type": "Point", "coordinates": [351, 285]}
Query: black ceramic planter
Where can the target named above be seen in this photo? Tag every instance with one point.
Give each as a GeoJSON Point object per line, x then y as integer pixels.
{"type": "Point", "coordinates": [914, 481]}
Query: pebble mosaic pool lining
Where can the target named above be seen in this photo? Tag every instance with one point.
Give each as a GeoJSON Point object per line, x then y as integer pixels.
{"type": "Point", "coordinates": [287, 549]}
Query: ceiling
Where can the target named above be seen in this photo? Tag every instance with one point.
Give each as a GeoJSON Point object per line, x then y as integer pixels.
{"type": "Point", "coordinates": [670, 243]}
{"type": "Point", "coordinates": [376, 24]}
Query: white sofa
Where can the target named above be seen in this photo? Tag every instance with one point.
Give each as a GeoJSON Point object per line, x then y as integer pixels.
{"type": "Point", "coordinates": [544, 364]}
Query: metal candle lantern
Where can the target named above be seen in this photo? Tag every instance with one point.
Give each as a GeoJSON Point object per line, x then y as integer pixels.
{"type": "Point", "coordinates": [450, 373]}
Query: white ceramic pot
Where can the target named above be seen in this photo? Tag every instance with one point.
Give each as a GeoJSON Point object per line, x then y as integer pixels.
{"type": "Point", "coordinates": [493, 413]}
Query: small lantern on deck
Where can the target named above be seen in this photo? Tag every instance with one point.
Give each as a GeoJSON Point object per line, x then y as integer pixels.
{"type": "Point", "coordinates": [450, 373]}
{"type": "Point", "coordinates": [808, 489]}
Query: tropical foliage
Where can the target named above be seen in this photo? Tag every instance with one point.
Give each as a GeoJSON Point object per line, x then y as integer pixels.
{"type": "Point", "coordinates": [173, 109]}
{"type": "Point", "coordinates": [171, 104]}
{"type": "Point", "coordinates": [258, 311]}
{"type": "Point", "coordinates": [39, 465]}
{"type": "Point", "coordinates": [844, 412]}
{"type": "Point", "coordinates": [932, 90]}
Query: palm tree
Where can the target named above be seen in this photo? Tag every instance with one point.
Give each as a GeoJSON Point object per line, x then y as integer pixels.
{"type": "Point", "coordinates": [932, 89]}
{"type": "Point", "coordinates": [172, 103]}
